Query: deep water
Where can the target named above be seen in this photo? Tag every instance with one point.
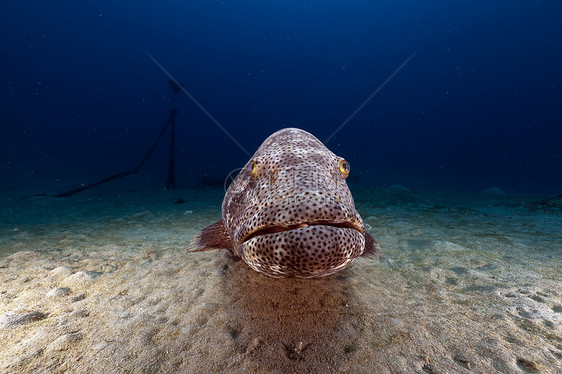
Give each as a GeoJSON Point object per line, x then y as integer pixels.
{"type": "Point", "coordinates": [477, 106]}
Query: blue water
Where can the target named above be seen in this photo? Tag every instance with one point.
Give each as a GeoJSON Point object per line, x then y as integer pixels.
{"type": "Point", "coordinates": [477, 106]}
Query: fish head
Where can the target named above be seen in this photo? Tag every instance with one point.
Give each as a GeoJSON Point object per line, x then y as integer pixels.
{"type": "Point", "coordinates": [289, 211]}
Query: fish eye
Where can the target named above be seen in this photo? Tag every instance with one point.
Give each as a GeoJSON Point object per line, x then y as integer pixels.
{"type": "Point", "coordinates": [254, 170]}
{"type": "Point", "coordinates": [343, 167]}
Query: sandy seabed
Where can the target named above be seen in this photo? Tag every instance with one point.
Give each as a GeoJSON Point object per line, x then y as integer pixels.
{"type": "Point", "coordinates": [102, 283]}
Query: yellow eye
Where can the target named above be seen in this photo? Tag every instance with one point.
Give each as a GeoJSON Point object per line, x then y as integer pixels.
{"type": "Point", "coordinates": [343, 167]}
{"type": "Point", "coordinates": [254, 170]}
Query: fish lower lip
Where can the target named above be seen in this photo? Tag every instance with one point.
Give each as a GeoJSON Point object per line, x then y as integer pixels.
{"type": "Point", "coordinates": [276, 229]}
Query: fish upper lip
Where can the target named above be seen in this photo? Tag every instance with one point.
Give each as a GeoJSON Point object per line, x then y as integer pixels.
{"type": "Point", "coordinates": [281, 228]}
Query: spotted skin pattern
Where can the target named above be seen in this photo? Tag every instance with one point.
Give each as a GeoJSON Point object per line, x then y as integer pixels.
{"type": "Point", "coordinates": [289, 211]}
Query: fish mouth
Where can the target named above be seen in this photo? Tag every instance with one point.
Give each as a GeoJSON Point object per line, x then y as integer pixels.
{"type": "Point", "coordinates": [281, 228]}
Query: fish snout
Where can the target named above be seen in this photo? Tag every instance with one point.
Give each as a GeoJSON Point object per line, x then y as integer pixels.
{"type": "Point", "coordinates": [300, 211]}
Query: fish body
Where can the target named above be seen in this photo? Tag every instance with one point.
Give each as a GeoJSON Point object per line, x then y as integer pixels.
{"type": "Point", "coordinates": [289, 211]}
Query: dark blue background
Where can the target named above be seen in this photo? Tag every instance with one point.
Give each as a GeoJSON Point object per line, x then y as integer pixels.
{"type": "Point", "coordinates": [479, 104]}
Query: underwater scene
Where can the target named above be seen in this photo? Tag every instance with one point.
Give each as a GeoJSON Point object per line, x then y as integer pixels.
{"type": "Point", "coordinates": [281, 187]}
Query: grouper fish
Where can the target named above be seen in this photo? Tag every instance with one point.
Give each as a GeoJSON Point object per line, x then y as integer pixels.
{"type": "Point", "coordinates": [289, 212]}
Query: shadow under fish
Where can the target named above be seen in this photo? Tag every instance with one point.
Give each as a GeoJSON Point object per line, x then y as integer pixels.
{"type": "Point", "coordinates": [291, 324]}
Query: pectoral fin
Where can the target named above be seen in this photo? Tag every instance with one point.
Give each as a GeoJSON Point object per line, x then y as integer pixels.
{"type": "Point", "coordinates": [372, 248]}
{"type": "Point", "coordinates": [211, 237]}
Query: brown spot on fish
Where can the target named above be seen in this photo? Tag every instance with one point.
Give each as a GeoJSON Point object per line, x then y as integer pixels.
{"type": "Point", "coordinates": [289, 212]}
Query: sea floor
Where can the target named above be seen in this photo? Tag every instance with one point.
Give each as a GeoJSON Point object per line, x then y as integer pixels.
{"type": "Point", "coordinates": [101, 282]}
